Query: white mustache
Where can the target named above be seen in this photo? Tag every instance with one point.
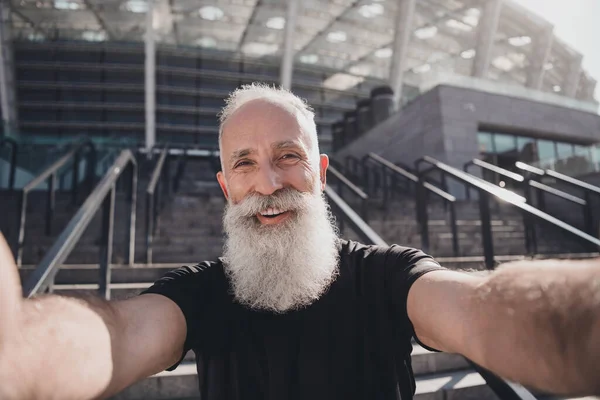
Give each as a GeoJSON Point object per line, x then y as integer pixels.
{"type": "Point", "coordinates": [283, 199]}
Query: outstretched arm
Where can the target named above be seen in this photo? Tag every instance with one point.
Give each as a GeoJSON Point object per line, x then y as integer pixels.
{"type": "Point", "coordinates": [532, 322]}
{"type": "Point", "coordinates": [56, 347]}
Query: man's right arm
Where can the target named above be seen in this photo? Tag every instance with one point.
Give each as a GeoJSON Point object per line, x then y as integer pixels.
{"type": "Point", "coordinates": [56, 347]}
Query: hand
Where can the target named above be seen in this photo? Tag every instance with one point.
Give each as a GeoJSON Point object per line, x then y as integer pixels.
{"type": "Point", "coordinates": [10, 293]}
{"type": "Point", "coordinates": [11, 301]}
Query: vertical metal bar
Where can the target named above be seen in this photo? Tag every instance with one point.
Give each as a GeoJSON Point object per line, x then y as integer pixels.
{"type": "Point", "coordinates": [530, 243]}
{"type": "Point", "coordinates": [18, 250]}
{"type": "Point", "coordinates": [467, 187]}
{"type": "Point", "coordinates": [150, 79]}
{"type": "Point", "coordinates": [149, 226]}
{"type": "Point", "coordinates": [366, 178]}
{"type": "Point", "coordinates": [287, 64]}
{"type": "Point", "coordinates": [403, 29]}
{"type": "Point", "coordinates": [541, 200]}
{"type": "Point", "coordinates": [50, 203]}
{"type": "Point", "coordinates": [454, 229]}
{"type": "Point", "coordinates": [486, 37]}
{"type": "Point", "coordinates": [92, 161]}
{"type": "Point", "coordinates": [486, 229]}
{"type": "Point", "coordinates": [106, 247]}
{"type": "Point", "coordinates": [422, 217]}
{"type": "Point", "coordinates": [588, 219]}
{"type": "Point", "coordinates": [385, 187]}
{"type": "Point", "coordinates": [364, 210]}
{"type": "Point", "coordinates": [132, 195]}
{"type": "Point", "coordinates": [75, 178]}
{"type": "Point", "coordinates": [13, 167]}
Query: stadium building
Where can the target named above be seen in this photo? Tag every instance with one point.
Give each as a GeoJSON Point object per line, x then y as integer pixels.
{"type": "Point", "coordinates": [110, 127]}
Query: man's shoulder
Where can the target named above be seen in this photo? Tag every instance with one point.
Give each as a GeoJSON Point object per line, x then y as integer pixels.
{"type": "Point", "coordinates": [187, 275]}
{"type": "Point", "coordinates": [357, 248]}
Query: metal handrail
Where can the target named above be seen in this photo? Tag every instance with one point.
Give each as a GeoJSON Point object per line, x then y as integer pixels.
{"type": "Point", "coordinates": [103, 196]}
{"type": "Point", "coordinates": [586, 203]}
{"type": "Point", "coordinates": [519, 178]}
{"type": "Point", "coordinates": [588, 188]}
{"type": "Point", "coordinates": [343, 182]}
{"type": "Point", "coordinates": [154, 201]}
{"type": "Point", "coordinates": [50, 174]}
{"type": "Point", "coordinates": [357, 224]}
{"type": "Point", "coordinates": [9, 142]}
{"type": "Point", "coordinates": [486, 191]}
{"type": "Point", "coordinates": [423, 188]}
{"type": "Point", "coordinates": [504, 389]}
{"type": "Point", "coordinates": [492, 168]}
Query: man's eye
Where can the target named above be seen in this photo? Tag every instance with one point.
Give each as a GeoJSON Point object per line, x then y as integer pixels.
{"type": "Point", "coordinates": [288, 156]}
{"type": "Point", "coordinates": [242, 164]}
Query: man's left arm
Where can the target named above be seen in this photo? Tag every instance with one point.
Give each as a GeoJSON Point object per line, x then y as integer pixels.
{"type": "Point", "coordinates": [532, 322]}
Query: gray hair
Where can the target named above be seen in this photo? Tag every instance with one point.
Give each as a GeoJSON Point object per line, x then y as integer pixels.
{"type": "Point", "coordinates": [272, 94]}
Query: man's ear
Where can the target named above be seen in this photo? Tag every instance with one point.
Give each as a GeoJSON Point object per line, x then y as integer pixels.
{"type": "Point", "coordinates": [324, 164]}
{"type": "Point", "coordinates": [222, 183]}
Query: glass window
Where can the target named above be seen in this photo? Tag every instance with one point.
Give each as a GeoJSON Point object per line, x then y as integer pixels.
{"type": "Point", "coordinates": [546, 153]}
{"type": "Point", "coordinates": [486, 144]}
{"type": "Point", "coordinates": [527, 149]}
{"type": "Point", "coordinates": [564, 150]}
{"type": "Point", "coordinates": [504, 143]}
{"type": "Point", "coordinates": [583, 151]}
{"type": "Point", "coordinates": [596, 157]}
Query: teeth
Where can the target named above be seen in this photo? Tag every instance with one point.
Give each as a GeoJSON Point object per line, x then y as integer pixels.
{"type": "Point", "coordinates": [271, 211]}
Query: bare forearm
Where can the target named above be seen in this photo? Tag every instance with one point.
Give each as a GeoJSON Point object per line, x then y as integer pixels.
{"type": "Point", "coordinates": [547, 320]}
{"type": "Point", "coordinates": [64, 349]}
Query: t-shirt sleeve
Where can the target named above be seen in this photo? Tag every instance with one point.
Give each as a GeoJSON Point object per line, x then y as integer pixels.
{"type": "Point", "coordinates": [183, 286]}
{"type": "Point", "coordinates": [404, 266]}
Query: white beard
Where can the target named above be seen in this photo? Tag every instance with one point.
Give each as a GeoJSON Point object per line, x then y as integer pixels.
{"type": "Point", "coordinates": [285, 266]}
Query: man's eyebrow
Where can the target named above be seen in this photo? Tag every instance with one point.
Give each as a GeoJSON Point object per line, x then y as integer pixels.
{"type": "Point", "coordinates": [242, 153]}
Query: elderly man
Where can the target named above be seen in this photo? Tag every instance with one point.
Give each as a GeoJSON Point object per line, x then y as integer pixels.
{"type": "Point", "coordinates": [292, 310]}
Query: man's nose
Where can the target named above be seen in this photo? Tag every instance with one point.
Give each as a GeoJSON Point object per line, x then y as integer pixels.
{"type": "Point", "coordinates": [268, 181]}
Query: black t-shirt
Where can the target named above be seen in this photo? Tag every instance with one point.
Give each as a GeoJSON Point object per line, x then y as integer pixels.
{"type": "Point", "coordinates": [352, 343]}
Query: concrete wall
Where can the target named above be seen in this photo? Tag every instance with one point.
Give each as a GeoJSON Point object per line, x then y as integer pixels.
{"type": "Point", "coordinates": [413, 132]}
{"type": "Point", "coordinates": [444, 122]}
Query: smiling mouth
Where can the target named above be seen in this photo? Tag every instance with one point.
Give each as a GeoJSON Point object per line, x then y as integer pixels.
{"type": "Point", "coordinates": [272, 216]}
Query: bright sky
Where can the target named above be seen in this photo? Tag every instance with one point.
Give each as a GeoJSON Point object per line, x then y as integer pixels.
{"type": "Point", "coordinates": [576, 23]}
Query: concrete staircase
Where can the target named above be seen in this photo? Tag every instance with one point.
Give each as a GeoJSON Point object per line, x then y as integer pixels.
{"type": "Point", "coordinates": [396, 223]}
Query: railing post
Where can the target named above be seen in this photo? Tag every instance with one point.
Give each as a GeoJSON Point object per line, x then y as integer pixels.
{"type": "Point", "coordinates": [422, 217]}
{"type": "Point", "coordinates": [92, 161]}
{"type": "Point", "coordinates": [132, 197]}
{"type": "Point", "coordinates": [50, 203]}
{"type": "Point", "coordinates": [75, 179]}
{"type": "Point", "coordinates": [385, 188]}
{"type": "Point", "coordinates": [530, 235]}
{"type": "Point", "coordinates": [588, 219]}
{"type": "Point", "coordinates": [20, 237]}
{"type": "Point", "coordinates": [467, 188]}
{"type": "Point", "coordinates": [364, 210]}
{"type": "Point", "coordinates": [106, 247]}
{"type": "Point", "coordinates": [367, 179]}
{"type": "Point", "coordinates": [149, 226]}
{"type": "Point", "coordinates": [455, 247]}
{"type": "Point", "coordinates": [13, 167]}
{"type": "Point", "coordinates": [486, 229]}
{"type": "Point", "coordinates": [365, 173]}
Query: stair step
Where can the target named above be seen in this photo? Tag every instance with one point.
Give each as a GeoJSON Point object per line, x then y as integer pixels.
{"type": "Point", "coordinates": [183, 383]}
